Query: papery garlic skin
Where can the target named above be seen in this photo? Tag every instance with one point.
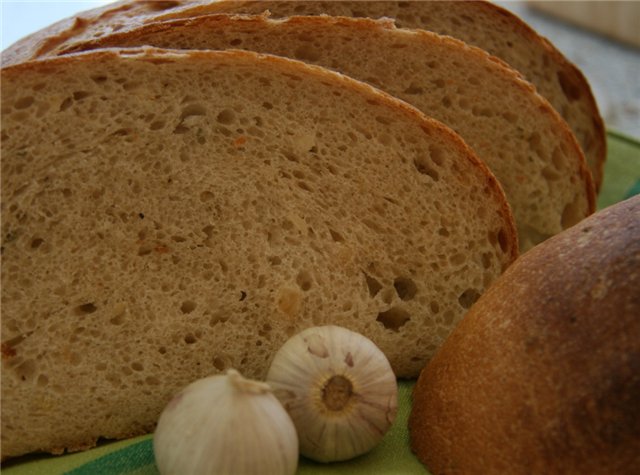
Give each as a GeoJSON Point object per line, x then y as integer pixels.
{"type": "Point", "coordinates": [338, 388]}
{"type": "Point", "coordinates": [225, 424]}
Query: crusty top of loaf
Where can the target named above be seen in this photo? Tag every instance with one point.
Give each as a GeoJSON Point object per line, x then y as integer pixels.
{"type": "Point", "coordinates": [170, 214]}
{"type": "Point", "coordinates": [525, 143]}
{"type": "Point", "coordinates": [542, 372]}
{"type": "Point", "coordinates": [478, 23]}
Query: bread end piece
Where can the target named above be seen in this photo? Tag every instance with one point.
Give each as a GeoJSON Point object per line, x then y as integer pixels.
{"type": "Point", "coordinates": [541, 376]}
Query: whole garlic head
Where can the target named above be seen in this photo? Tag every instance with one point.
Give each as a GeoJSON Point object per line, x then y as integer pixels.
{"type": "Point", "coordinates": [225, 424]}
{"type": "Point", "coordinates": [338, 388]}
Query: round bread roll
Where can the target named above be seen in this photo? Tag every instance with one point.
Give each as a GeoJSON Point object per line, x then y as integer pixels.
{"type": "Point", "coordinates": [543, 374]}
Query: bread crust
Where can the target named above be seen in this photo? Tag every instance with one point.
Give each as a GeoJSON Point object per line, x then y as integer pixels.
{"type": "Point", "coordinates": [88, 354]}
{"type": "Point", "coordinates": [541, 375]}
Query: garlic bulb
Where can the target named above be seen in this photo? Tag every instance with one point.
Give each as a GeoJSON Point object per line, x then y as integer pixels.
{"type": "Point", "coordinates": [338, 388]}
{"type": "Point", "coordinates": [225, 424]}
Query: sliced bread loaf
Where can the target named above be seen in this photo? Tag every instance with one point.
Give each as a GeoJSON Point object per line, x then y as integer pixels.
{"type": "Point", "coordinates": [170, 214]}
{"type": "Point", "coordinates": [525, 143]}
{"type": "Point", "coordinates": [478, 23]}
{"type": "Point", "coordinates": [543, 373]}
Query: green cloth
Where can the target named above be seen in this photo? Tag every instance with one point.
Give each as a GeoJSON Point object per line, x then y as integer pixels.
{"type": "Point", "coordinates": [392, 456]}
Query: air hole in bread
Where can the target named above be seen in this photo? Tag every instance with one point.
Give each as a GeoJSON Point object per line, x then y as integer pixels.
{"type": "Point", "coordinates": [190, 339]}
{"type": "Point", "coordinates": [383, 120]}
{"type": "Point", "coordinates": [274, 260]}
{"type": "Point", "coordinates": [118, 319]}
{"type": "Point", "coordinates": [292, 157]}
{"type": "Point", "coordinates": [509, 117]}
{"type": "Point", "coordinates": [307, 52]}
{"type": "Point", "coordinates": [414, 89]}
{"type": "Point", "coordinates": [145, 249]}
{"type": "Point", "coordinates": [434, 307]}
{"type": "Point", "coordinates": [24, 102]}
{"type": "Point", "coordinates": [85, 309]}
{"type": "Point", "coordinates": [535, 143]}
{"type": "Point", "coordinates": [503, 241]}
{"type": "Point", "coordinates": [36, 243]}
{"type": "Point", "coordinates": [267, 105]}
{"type": "Point", "coordinates": [446, 101]}
{"type": "Point", "coordinates": [122, 132]}
{"type": "Point", "coordinates": [304, 186]}
{"type": "Point", "coordinates": [79, 95]}
{"type": "Point", "coordinates": [558, 159]}
{"type": "Point", "coordinates": [468, 298]}
{"type": "Point", "coordinates": [26, 370]}
{"type": "Point", "coordinates": [42, 380]}
{"type": "Point", "coordinates": [394, 318]}
{"type": "Point", "coordinates": [236, 42]}
{"type": "Point", "coordinates": [68, 102]}
{"type": "Point", "coordinates": [336, 236]}
{"type": "Point", "coordinates": [448, 318]}
{"type": "Point", "coordinates": [572, 214]}
{"type": "Point", "coordinates": [206, 196]}
{"type": "Point", "coordinates": [226, 117]}
{"type": "Point", "coordinates": [486, 260]}
{"type": "Point", "coordinates": [457, 259]}
{"type": "Point", "coordinates": [99, 79]}
{"type": "Point", "coordinates": [481, 112]}
{"type": "Point", "coordinates": [405, 288]}
{"type": "Point", "coordinates": [157, 125]}
{"type": "Point", "coordinates": [569, 87]}
{"type": "Point", "coordinates": [372, 285]}
{"type": "Point", "coordinates": [188, 306]}
{"type": "Point", "coordinates": [424, 166]}
{"type": "Point", "coordinates": [550, 174]}
{"type": "Point", "coordinates": [304, 280]}
{"type": "Point", "coordinates": [220, 363]}
{"type": "Point", "coordinates": [137, 366]}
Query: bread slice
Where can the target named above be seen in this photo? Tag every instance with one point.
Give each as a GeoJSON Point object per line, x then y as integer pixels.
{"type": "Point", "coordinates": [478, 23]}
{"type": "Point", "coordinates": [170, 214]}
{"type": "Point", "coordinates": [525, 143]}
{"type": "Point", "coordinates": [541, 376]}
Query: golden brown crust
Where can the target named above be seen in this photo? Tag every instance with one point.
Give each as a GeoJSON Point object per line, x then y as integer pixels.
{"type": "Point", "coordinates": [542, 375]}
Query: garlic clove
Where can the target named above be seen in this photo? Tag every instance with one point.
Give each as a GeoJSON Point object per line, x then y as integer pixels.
{"type": "Point", "coordinates": [339, 390]}
{"type": "Point", "coordinates": [225, 424]}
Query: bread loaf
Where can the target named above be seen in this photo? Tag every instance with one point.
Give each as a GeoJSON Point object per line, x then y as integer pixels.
{"type": "Point", "coordinates": [170, 214]}
{"type": "Point", "coordinates": [542, 375]}
{"type": "Point", "coordinates": [478, 23]}
{"type": "Point", "coordinates": [525, 143]}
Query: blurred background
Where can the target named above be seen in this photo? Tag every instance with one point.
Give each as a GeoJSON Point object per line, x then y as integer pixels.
{"type": "Point", "coordinates": [601, 37]}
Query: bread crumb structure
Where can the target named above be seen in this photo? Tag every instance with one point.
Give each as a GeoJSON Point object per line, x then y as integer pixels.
{"type": "Point", "coordinates": [514, 130]}
{"type": "Point", "coordinates": [168, 215]}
